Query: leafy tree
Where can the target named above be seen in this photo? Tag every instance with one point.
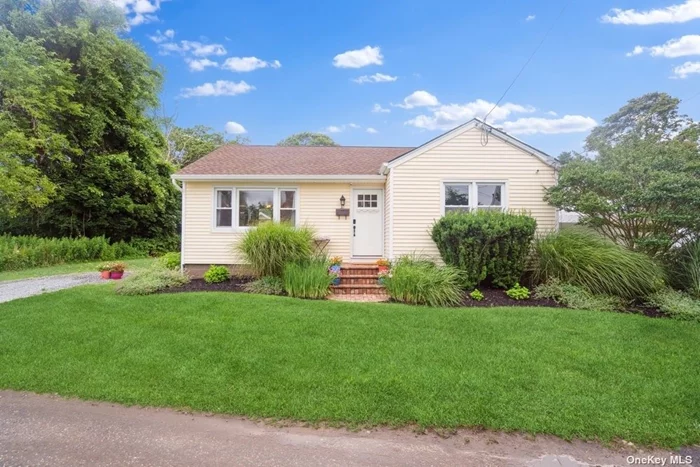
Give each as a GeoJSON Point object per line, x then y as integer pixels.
{"type": "Point", "coordinates": [307, 138]}
{"type": "Point", "coordinates": [186, 145]}
{"type": "Point", "coordinates": [643, 188]}
{"type": "Point", "coordinates": [85, 123]}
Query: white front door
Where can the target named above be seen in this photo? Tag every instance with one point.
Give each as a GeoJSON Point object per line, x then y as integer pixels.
{"type": "Point", "coordinates": [367, 222]}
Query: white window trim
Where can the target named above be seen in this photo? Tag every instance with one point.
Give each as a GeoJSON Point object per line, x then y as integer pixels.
{"type": "Point", "coordinates": [473, 193]}
{"type": "Point", "coordinates": [235, 202]}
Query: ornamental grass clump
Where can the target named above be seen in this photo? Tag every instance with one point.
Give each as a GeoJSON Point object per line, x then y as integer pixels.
{"type": "Point", "coordinates": [582, 257]}
{"type": "Point", "coordinates": [485, 244]}
{"type": "Point", "coordinates": [271, 245]}
{"type": "Point", "coordinates": [423, 283]}
{"type": "Point", "coordinates": [309, 279]}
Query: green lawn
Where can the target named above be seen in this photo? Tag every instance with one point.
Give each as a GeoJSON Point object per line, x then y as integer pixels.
{"type": "Point", "coordinates": [132, 264]}
{"type": "Point", "coordinates": [575, 374]}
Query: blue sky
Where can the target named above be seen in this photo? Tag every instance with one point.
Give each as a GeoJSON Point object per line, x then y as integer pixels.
{"type": "Point", "coordinates": [284, 66]}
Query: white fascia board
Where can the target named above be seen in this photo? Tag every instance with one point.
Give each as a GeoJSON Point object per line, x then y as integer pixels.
{"type": "Point", "coordinates": [296, 178]}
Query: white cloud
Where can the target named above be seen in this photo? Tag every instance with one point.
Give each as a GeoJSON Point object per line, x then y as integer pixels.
{"type": "Point", "coordinates": [359, 58]}
{"type": "Point", "coordinates": [688, 68]}
{"type": "Point", "coordinates": [341, 128]}
{"type": "Point", "coordinates": [549, 126]}
{"type": "Point", "coordinates": [245, 64]}
{"type": "Point", "coordinates": [219, 88]}
{"type": "Point", "coordinates": [195, 48]}
{"type": "Point", "coordinates": [139, 11]}
{"type": "Point", "coordinates": [681, 13]}
{"type": "Point", "coordinates": [160, 37]}
{"type": "Point", "coordinates": [375, 78]}
{"type": "Point", "coordinates": [686, 45]}
{"type": "Point", "coordinates": [418, 99]}
{"type": "Point", "coordinates": [200, 64]}
{"type": "Point", "coordinates": [379, 109]}
{"type": "Point", "coordinates": [234, 128]}
{"type": "Point", "coordinates": [447, 116]}
{"type": "Point", "coordinates": [552, 113]}
{"type": "Point", "coordinates": [372, 131]}
{"type": "Point", "coordinates": [530, 17]}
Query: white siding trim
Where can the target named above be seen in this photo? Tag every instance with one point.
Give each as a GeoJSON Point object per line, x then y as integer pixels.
{"type": "Point", "coordinates": [183, 203]}
{"type": "Point", "coordinates": [473, 123]}
{"type": "Point", "coordinates": [391, 219]}
{"type": "Point", "coordinates": [273, 178]}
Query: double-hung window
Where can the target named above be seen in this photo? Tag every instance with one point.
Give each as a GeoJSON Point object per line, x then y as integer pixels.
{"type": "Point", "coordinates": [242, 208]}
{"type": "Point", "coordinates": [469, 196]}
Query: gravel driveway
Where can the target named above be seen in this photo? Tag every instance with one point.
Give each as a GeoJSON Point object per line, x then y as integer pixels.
{"type": "Point", "coordinates": [11, 290]}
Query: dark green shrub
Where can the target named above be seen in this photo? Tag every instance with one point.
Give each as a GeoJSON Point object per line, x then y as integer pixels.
{"type": "Point", "coordinates": [216, 274]}
{"type": "Point", "coordinates": [485, 244]}
{"type": "Point", "coordinates": [151, 280]}
{"type": "Point", "coordinates": [268, 285]}
{"type": "Point", "coordinates": [518, 292]}
{"type": "Point", "coordinates": [170, 260]}
{"type": "Point", "coordinates": [310, 279]}
{"type": "Point", "coordinates": [581, 257]}
{"type": "Point", "coordinates": [676, 305]}
{"type": "Point", "coordinates": [270, 246]}
{"type": "Point", "coordinates": [476, 295]}
{"type": "Point", "coordinates": [424, 283]}
{"type": "Point", "coordinates": [574, 296]}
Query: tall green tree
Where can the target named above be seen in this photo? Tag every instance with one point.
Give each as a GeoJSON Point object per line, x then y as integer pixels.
{"type": "Point", "coordinates": [643, 188]}
{"type": "Point", "coordinates": [186, 145]}
{"type": "Point", "coordinates": [105, 161]}
{"type": "Point", "coordinates": [307, 138]}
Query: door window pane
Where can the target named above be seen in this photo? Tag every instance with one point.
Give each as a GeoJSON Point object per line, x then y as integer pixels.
{"type": "Point", "coordinates": [255, 207]}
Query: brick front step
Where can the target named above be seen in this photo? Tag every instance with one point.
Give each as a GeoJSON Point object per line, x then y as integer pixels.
{"type": "Point", "coordinates": [358, 279]}
{"type": "Point", "coordinates": [358, 289]}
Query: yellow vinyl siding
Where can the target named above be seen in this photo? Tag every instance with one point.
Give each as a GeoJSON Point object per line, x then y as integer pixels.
{"type": "Point", "coordinates": [316, 208]}
{"type": "Point", "coordinates": [417, 186]}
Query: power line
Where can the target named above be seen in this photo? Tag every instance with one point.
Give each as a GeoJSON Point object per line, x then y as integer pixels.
{"type": "Point", "coordinates": [566, 5]}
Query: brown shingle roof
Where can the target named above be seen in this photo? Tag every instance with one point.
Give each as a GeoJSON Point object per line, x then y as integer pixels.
{"type": "Point", "coordinates": [238, 159]}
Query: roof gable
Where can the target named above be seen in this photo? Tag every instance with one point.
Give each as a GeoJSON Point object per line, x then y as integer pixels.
{"type": "Point", "coordinates": [471, 124]}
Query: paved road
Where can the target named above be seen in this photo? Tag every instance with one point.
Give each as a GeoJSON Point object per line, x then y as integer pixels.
{"type": "Point", "coordinates": [45, 430]}
{"type": "Point", "coordinates": [11, 290]}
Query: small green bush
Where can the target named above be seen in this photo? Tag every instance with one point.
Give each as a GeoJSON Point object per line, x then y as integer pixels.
{"type": "Point", "coordinates": [170, 260]}
{"type": "Point", "coordinates": [683, 264]}
{"type": "Point", "coordinates": [677, 305]}
{"type": "Point", "coordinates": [268, 285]}
{"type": "Point", "coordinates": [216, 274]}
{"type": "Point", "coordinates": [150, 281]}
{"type": "Point", "coordinates": [271, 245]}
{"type": "Point", "coordinates": [518, 292]}
{"type": "Point", "coordinates": [308, 280]}
{"type": "Point", "coordinates": [485, 244]}
{"type": "Point", "coordinates": [423, 283]}
{"type": "Point", "coordinates": [582, 257]}
{"type": "Point", "coordinates": [574, 296]}
{"type": "Point", "coordinates": [477, 295]}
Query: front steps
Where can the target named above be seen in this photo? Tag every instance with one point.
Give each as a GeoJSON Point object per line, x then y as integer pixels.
{"type": "Point", "coordinates": [359, 279]}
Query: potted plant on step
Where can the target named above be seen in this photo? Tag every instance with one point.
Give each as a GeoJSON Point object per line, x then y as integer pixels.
{"type": "Point", "coordinates": [105, 270]}
{"type": "Point", "coordinates": [381, 277]}
{"type": "Point", "coordinates": [334, 269]}
{"type": "Point", "coordinates": [117, 270]}
{"type": "Point", "coordinates": [384, 265]}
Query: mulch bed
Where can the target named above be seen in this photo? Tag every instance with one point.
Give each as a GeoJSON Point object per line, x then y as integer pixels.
{"type": "Point", "coordinates": [498, 297]}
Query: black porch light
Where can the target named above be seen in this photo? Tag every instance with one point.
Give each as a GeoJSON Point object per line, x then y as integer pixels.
{"type": "Point", "coordinates": [342, 201]}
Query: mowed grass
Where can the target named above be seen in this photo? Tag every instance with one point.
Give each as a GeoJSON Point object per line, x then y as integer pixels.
{"type": "Point", "coordinates": [131, 264]}
{"type": "Point", "coordinates": [575, 374]}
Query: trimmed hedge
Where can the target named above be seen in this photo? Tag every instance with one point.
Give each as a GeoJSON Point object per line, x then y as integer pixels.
{"type": "Point", "coordinates": [485, 244]}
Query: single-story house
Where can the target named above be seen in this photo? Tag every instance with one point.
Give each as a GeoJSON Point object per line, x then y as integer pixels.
{"type": "Point", "coordinates": [363, 202]}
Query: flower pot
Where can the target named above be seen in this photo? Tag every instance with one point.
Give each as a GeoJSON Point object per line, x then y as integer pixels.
{"type": "Point", "coordinates": [105, 274]}
{"type": "Point", "coordinates": [116, 275]}
{"type": "Point", "coordinates": [334, 269]}
{"type": "Point", "coordinates": [383, 269]}
{"type": "Point", "coordinates": [336, 281]}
